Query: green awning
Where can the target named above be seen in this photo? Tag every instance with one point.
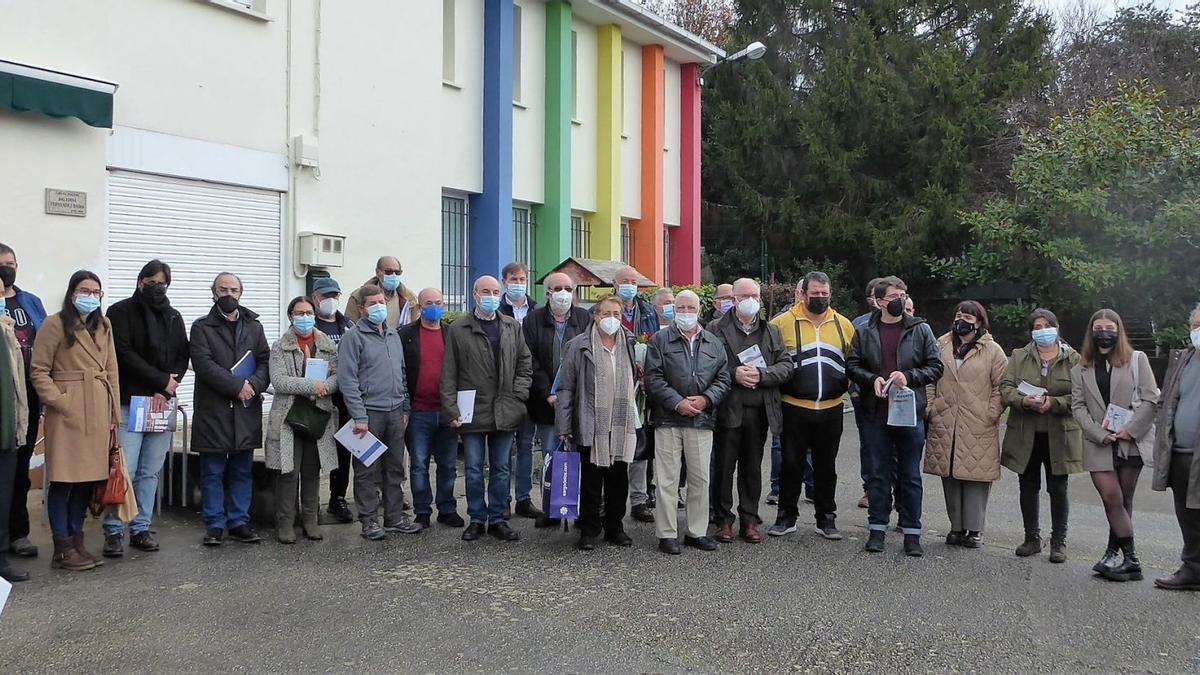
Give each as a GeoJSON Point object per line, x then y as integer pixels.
{"type": "Point", "coordinates": [28, 89]}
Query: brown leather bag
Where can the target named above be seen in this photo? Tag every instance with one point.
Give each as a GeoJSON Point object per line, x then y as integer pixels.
{"type": "Point", "coordinates": [112, 491]}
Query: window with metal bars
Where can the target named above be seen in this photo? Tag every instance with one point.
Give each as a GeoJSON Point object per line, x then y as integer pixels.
{"type": "Point", "coordinates": [581, 237]}
{"type": "Point", "coordinates": [626, 241]}
{"type": "Point", "coordinates": [456, 289]}
{"type": "Point", "coordinates": [523, 234]}
{"type": "Point", "coordinates": [667, 256]}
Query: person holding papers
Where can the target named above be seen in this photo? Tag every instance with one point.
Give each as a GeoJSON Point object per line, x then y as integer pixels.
{"type": "Point", "coordinates": [74, 369]}
{"type": "Point", "coordinates": [486, 374]}
{"type": "Point", "coordinates": [817, 339]}
{"type": "Point", "coordinates": [231, 358]}
{"type": "Point", "coordinates": [371, 377]}
{"type": "Point", "coordinates": [893, 358]}
{"type": "Point", "coordinates": [304, 376]}
{"type": "Point", "coordinates": [1114, 399]}
{"type": "Point", "coordinates": [152, 355]}
{"type": "Point", "coordinates": [754, 351]}
{"type": "Point", "coordinates": [964, 422]}
{"type": "Point", "coordinates": [1042, 435]}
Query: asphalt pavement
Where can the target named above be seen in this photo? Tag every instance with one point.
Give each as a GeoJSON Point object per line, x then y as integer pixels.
{"type": "Point", "coordinates": [433, 603]}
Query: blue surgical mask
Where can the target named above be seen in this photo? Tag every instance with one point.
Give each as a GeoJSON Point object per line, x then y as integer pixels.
{"type": "Point", "coordinates": [668, 312]}
{"type": "Point", "coordinates": [391, 282]}
{"type": "Point", "coordinates": [86, 304]}
{"type": "Point", "coordinates": [515, 292]}
{"type": "Point", "coordinates": [1044, 337]}
{"type": "Point", "coordinates": [304, 323]}
{"type": "Point", "coordinates": [432, 313]}
{"type": "Point", "coordinates": [627, 291]}
{"type": "Point", "coordinates": [377, 314]}
{"type": "Point", "coordinates": [687, 321]}
{"type": "Point", "coordinates": [489, 303]}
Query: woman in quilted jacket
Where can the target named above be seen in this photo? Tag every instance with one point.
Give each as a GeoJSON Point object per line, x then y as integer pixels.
{"type": "Point", "coordinates": [964, 422]}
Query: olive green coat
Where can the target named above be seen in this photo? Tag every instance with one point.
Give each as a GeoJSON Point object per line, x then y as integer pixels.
{"type": "Point", "coordinates": [1066, 441]}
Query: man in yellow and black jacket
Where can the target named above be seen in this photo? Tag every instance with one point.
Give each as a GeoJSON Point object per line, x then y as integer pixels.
{"type": "Point", "coordinates": [818, 340]}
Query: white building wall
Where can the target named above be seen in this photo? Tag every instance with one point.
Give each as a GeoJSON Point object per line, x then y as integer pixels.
{"type": "Point", "coordinates": [529, 117]}
{"type": "Point", "coordinates": [583, 134]}
{"type": "Point", "coordinates": [631, 137]}
{"type": "Point", "coordinates": [460, 160]}
{"type": "Point", "coordinates": [671, 105]}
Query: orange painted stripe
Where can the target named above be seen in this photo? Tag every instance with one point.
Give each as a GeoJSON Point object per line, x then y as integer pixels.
{"type": "Point", "coordinates": [646, 249]}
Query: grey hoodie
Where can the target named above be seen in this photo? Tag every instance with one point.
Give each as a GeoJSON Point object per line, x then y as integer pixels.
{"type": "Point", "coordinates": [371, 371]}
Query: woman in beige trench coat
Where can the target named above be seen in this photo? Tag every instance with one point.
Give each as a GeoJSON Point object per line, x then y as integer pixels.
{"type": "Point", "coordinates": [964, 422]}
{"type": "Point", "coordinates": [74, 370]}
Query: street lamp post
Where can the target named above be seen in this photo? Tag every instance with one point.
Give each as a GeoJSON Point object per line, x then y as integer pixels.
{"type": "Point", "coordinates": [752, 51]}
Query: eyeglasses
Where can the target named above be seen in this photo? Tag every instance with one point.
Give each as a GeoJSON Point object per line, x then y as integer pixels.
{"type": "Point", "coordinates": [889, 298]}
{"type": "Point", "coordinates": [388, 272]}
{"type": "Point", "coordinates": [303, 312]}
{"type": "Point", "coordinates": [556, 289]}
{"type": "Point", "coordinates": [82, 293]}
{"type": "Point", "coordinates": [432, 303]}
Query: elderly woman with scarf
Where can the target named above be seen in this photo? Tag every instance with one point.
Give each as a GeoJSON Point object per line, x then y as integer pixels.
{"type": "Point", "coordinates": [596, 412]}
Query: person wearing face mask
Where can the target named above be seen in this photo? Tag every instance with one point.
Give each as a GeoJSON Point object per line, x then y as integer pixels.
{"type": "Point", "coordinates": [547, 330]}
{"type": "Point", "coordinates": [964, 422]}
{"type": "Point", "coordinates": [429, 435]}
{"type": "Point", "coordinates": [1041, 434]}
{"type": "Point", "coordinates": [372, 379]}
{"type": "Point", "coordinates": [817, 339]}
{"type": "Point", "coordinates": [14, 421]}
{"type": "Point", "coordinates": [893, 350]}
{"type": "Point", "coordinates": [637, 315]}
{"type": "Point", "coordinates": [1111, 377]}
{"type": "Point", "coordinates": [687, 379]}
{"type": "Point", "coordinates": [1177, 457]}
{"type": "Point", "coordinates": [326, 294]}
{"type": "Point", "coordinates": [27, 313]}
{"type": "Point", "coordinates": [596, 411]}
{"type": "Point", "coordinates": [859, 323]}
{"type": "Point", "coordinates": [487, 354]}
{"type": "Point", "coordinates": [516, 302]}
{"type": "Point", "coordinates": [723, 303]}
{"type": "Point", "coordinates": [641, 469]}
{"type": "Point", "coordinates": [752, 408]}
{"type": "Point", "coordinates": [75, 373]}
{"type": "Point", "coordinates": [402, 305]}
{"type": "Point", "coordinates": [227, 409]}
{"type": "Point", "coordinates": [294, 453]}
{"type": "Point", "coordinates": [152, 357]}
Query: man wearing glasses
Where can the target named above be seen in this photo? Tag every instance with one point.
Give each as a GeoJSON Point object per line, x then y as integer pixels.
{"type": "Point", "coordinates": [893, 351]}
{"type": "Point", "coordinates": [401, 302]}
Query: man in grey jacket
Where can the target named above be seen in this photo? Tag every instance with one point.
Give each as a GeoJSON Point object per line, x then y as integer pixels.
{"type": "Point", "coordinates": [686, 379]}
{"type": "Point", "coordinates": [371, 378]}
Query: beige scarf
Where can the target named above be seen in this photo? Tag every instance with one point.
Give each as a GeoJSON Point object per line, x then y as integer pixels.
{"type": "Point", "coordinates": [615, 418]}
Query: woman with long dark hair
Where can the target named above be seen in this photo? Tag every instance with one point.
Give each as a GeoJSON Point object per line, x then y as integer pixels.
{"type": "Point", "coordinates": [964, 422]}
{"type": "Point", "coordinates": [74, 369]}
{"type": "Point", "coordinates": [1114, 398]}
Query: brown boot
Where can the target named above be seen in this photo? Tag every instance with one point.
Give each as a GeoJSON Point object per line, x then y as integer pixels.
{"type": "Point", "coordinates": [724, 533]}
{"type": "Point", "coordinates": [67, 558]}
{"type": "Point", "coordinates": [77, 541]}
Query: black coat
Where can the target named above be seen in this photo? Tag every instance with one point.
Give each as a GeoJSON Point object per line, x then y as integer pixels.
{"type": "Point", "coordinates": [147, 354]}
{"type": "Point", "coordinates": [674, 373]}
{"type": "Point", "coordinates": [918, 358]}
{"type": "Point", "coordinates": [220, 423]}
{"type": "Point", "coordinates": [539, 335]}
{"type": "Point", "coordinates": [778, 370]}
{"type": "Point", "coordinates": [410, 337]}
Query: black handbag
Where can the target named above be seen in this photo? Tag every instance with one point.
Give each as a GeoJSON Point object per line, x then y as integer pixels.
{"type": "Point", "coordinates": [306, 419]}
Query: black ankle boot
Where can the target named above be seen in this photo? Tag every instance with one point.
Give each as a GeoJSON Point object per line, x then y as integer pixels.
{"type": "Point", "coordinates": [1129, 569]}
{"type": "Point", "coordinates": [1110, 555]}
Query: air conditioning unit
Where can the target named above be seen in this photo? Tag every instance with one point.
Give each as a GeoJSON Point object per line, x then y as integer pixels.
{"type": "Point", "coordinates": [322, 250]}
{"type": "Point", "coordinates": [305, 151]}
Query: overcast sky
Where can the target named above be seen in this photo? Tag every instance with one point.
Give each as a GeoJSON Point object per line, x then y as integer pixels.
{"type": "Point", "coordinates": [1109, 7]}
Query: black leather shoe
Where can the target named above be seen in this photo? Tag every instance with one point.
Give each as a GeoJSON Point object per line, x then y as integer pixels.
{"type": "Point", "coordinates": [545, 523]}
{"type": "Point", "coordinates": [1129, 570]}
{"type": "Point", "coordinates": [422, 520]}
{"type": "Point", "coordinates": [23, 548]}
{"type": "Point", "coordinates": [244, 534]}
{"type": "Point", "coordinates": [451, 519]}
{"type": "Point", "coordinates": [586, 543]}
{"type": "Point", "coordinates": [214, 537]}
{"type": "Point", "coordinates": [642, 513]}
{"type": "Point", "coordinates": [875, 541]}
{"type": "Point", "coordinates": [473, 532]}
{"type": "Point", "coordinates": [503, 532]}
{"type": "Point", "coordinates": [340, 510]}
{"type": "Point", "coordinates": [955, 538]}
{"type": "Point", "coordinates": [619, 538]}
{"type": "Point", "coordinates": [912, 546]}
{"type": "Point", "coordinates": [11, 573]}
{"type": "Point", "coordinates": [143, 541]}
{"type": "Point", "coordinates": [973, 540]}
{"type": "Point", "coordinates": [526, 509]}
{"type": "Point", "coordinates": [702, 543]}
{"type": "Point", "coordinates": [114, 546]}
{"type": "Point", "coordinates": [670, 546]}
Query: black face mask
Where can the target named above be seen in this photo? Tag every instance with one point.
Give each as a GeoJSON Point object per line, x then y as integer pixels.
{"type": "Point", "coordinates": [8, 275]}
{"type": "Point", "coordinates": [227, 303]}
{"type": "Point", "coordinates": [963, 328]}
{"type": "Point", "coordinates": [154, 295]}
{"type": "Point", "coordinates": [1105, 339]}
{"type": "Point", "coordinates": [896, 307]}
{"type": "Point", "coordinates": [817, 305]}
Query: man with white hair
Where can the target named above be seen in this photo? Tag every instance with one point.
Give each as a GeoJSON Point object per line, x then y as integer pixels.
{"type": "Point", "coordinates": [641, 500]}
{"type": "Point", "coordinates": [757, 366]}
{"type": "Point", "coordinates": [686, 380]}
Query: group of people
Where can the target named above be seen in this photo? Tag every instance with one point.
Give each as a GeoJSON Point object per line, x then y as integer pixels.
{"type": "Point", "coordinates": [667, 408]}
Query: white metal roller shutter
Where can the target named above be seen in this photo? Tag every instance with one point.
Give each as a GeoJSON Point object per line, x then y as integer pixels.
{"type": "Point", "coordinates": [199, 229]}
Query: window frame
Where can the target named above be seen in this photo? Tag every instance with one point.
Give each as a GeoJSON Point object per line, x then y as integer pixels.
{"type": "Point", "coordinates": [456, 252]}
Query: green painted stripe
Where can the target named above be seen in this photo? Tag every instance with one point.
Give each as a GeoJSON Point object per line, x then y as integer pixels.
{"type": "Point", "coordinates": [553, 232]}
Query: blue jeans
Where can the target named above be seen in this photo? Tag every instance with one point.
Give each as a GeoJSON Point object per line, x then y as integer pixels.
{"type": "Point", "coordinates": [223, 507]}
{"type": "Point", "coordinates": [427, 437]}
{"type": "Point", "coordinates": [894, 454]}
{"type": "Point", "coordinates": [66, 506]}
{"type": "Point", "coordinates": [493, 449]}
{"type": "Point", "coordinates": [524, 463]}
{"type": "Point", "coordinates": [144, 456]}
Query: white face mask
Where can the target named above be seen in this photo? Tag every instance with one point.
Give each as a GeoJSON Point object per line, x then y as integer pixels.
{"type": "Point", "coordinates": [686, 320]}
{"type": "Point", "coordinates": [748, 308]}
{"type": "Point", "coordinates": [560, 301]}
{"type": "Point", "coordinates": [1196, 338]}
{"type": "Point", "coordinates": [609, 325]}
{"type": "Point", "coordinates": [328, 307]}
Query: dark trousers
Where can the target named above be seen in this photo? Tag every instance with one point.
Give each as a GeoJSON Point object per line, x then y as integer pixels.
{"type": "Point", "coordinates": [1189, 519]}
{"type": "Point", "coordinates": [8, 462]}
{"type": "Point", "coordinates": [895, 461]}
{"type": "Point", "coordinates": [739, 449]}
{"type": "Point", "coordinates": [607, 484]}
{"type": "Point", "coordinates": [339, 478]}
{"type": "Point", "coordinates": [1031, 485]}
{"type": "Point", "coordinates": [18, 516]}
{"type": "Point", "coordinates": [818, 432]}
